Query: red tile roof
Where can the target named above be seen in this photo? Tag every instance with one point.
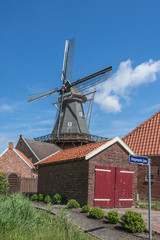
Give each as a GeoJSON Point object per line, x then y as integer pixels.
{"type": "Point", "coordinates": [145, 139]}
{"type": "Point", "coordinates": [25, 158]}
{"type": "Point", "coordinates": [73, 153]}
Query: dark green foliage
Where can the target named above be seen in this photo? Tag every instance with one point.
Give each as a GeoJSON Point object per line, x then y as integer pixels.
{"type": "Point", "coordinates": [133, 221]}
{"type": "Point", "coordinates": [72, 204]}
{"type": "Point", "coordinates": [34, 197]}
{"type": "Point", "coordinates": [47, 199]}
{"type": "Point", "coordinates": [85, 209]}
{"type": "Point", "coordinates": [4, 185]}
{"type": "Point", "coordinates": [113, 217]}
{"type": "Point", "coordinates": [57, 198]}
{"type": "Point", "coordinates": [40, 197]}
{"type": "Point", "coordinates": [97, 213]}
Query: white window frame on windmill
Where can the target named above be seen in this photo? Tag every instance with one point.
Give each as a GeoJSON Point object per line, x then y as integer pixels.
{"type": "Point", "coordinates": [81, 114]}
{"type": "Point", "coordinates": [69, 124]}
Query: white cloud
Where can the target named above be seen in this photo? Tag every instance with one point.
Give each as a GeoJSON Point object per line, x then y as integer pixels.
{"type": "Point", "coordinates": [5, 107]}
{"type": "Point", "coordinates": [118, 87]}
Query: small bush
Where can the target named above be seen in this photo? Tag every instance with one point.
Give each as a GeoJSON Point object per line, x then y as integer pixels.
{"type": "Point", "coordinates": [72, 204]}
{"type": "Point", "coordinates": [47, 199]}
{"type": "Point", "coordinates": [40, 197]}
{"type": "Point", "coordinates": [85, 209]}
{"type": "Point", "coordinates": [57, 198]}
{"type": "Point", "coordinates": [113, 217]}
{"type": "Point", "coordinates": [133, 221]}
{"type": "Point", "coordinates": [34, 197]}
{"type": "Point", "coordinates": [4, 184]}
{"type": "Point", "coordinates": [97, 213]}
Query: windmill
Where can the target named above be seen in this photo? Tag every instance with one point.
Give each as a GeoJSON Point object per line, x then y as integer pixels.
{"type": "Point", "coordinates": [71, 122]}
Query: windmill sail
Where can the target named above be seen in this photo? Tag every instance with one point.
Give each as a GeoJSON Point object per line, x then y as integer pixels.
{"type": "Point", "coordinates": [34, 97]}
{"type": "Point", "coordinates": [70, 62]}
{"type": "Point", "coordinates": [93, 79]}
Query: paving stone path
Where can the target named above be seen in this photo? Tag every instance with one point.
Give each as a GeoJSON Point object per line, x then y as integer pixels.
{"type": "Point", "coordinates": [102, 229]}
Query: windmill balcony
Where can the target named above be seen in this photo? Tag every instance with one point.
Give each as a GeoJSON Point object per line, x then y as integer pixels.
{"type": "Point", "coordinates": [88, 138]}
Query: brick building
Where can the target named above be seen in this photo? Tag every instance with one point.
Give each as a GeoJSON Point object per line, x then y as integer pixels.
{"type": "Point", "coordinates": [97, 174]}
{"type": "Point", "coordinates": [35, 150]}
{"type": "Point", "coordinates": [144, 140]}
{"type": "Point", "coordinates": [12, 161]}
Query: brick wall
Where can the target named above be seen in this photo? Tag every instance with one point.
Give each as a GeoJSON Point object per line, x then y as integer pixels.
{"type": "Point", "coordinates": [114, 156]}
{"type": "Point", "coordinates": [22, 147]}
{"type": "Point", "coordinates": [10, 162]}
{"type": "Point", "coordinates": [143, 185]}
{"type": "Point", "coordinates": [68, 178]}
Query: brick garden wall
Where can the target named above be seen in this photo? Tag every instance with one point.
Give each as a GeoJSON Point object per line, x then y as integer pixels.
{"type": "Point", "coordinates": [10, 162]}
{"type": "Point", "coordinates": [114, 156]}
{"type": "Point", "coordinates": [68, 178]}
{"type": "Point", "coordinates": [143, 185]}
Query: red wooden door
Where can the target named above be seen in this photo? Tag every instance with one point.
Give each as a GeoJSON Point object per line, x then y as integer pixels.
{"type": "Point", "coordinates": [113, 187]}
{"type": "Point", "coordinates": [104, 187]}
{"type": "Point", "coordinates": [123, 187]}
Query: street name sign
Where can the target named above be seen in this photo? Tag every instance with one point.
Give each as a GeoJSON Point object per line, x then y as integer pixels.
{"type": "Point", "coordinates": [145, 161]}
{"type": "Point", "coordinates": [138, 160]}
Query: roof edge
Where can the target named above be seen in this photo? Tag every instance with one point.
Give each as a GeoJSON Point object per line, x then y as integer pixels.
{"type": "Point", "coordinates": [22, 158]}
{"type": "Point", "coordinates": [59, 161]}
{"type": "Point", "coordinates": [141, 125]}
{"type": "Point", "coordinates": [46, 158]}
{"type": "Point", "coordinates": [4, 152]}
{"type": "Point", "coordinates": [30, 149]}
{"type": "Point", "coordinates": [108, 144]}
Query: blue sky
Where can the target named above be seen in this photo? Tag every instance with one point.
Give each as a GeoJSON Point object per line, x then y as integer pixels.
{"type": "Point", "coordinates": [124, 34]}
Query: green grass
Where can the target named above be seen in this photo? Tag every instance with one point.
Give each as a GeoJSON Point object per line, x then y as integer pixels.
{"type": "Point", "coordinates": [155, 204]}
{"type": "Point", "coordinates": [19, 220]}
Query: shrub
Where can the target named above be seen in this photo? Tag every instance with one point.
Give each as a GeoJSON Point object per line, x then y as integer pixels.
{"type": "Point", "coordinates": [72, 204]}
{"type": "Point", "coordinates": [97, 213]}
{"type": "Point", "coordinates": [57, 198]}
{"type": "Point", "coordinates": [4, 185]}
{"type": "Point", "coordinates": [47, 199]}
{"type": "Point", "coordinates": [133, 221]}
{"type": "Point", "coordinates": [85, 209]}
{"type": "Point", "coordinates": [40, 197]}
{"type": "Point", "coordinates": [113, 216]}
{"type": "Point", "coordinates": [34, 197]}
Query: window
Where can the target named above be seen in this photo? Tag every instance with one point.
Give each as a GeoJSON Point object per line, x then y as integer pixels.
{"type": "Point", "coordinates": [152, 178]}
{"type": "Point", "coordinates": [69, 124]}
{"type": "Point", "coordinates": [80, 114]}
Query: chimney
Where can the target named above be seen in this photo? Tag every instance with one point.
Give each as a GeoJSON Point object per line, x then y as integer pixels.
{"type": "Point", "coordinates": [21, 136]}
{"type": "Point", "coordinates": [10, 145]}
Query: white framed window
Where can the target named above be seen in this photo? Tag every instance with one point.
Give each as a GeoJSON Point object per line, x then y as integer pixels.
{"type": "Point", "coordinates": [152, 178]}
{"type": "Point", "coordinates": [69, 124]}
{"type": "Point", "coordinates": [80, 114]}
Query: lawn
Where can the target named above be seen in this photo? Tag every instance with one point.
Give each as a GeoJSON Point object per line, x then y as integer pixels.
{"type": "Point", "coordinates": [19, 220]}
{"type": "Point", "coordinates": [155, 204]}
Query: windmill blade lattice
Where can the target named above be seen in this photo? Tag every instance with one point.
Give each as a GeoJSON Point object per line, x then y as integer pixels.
{"type": "Point", "coordinates": [93, 79]}
{"type": "Point", "coordinates": [34, 97]}
{"type": "Point", "coordinates": [70, 60]}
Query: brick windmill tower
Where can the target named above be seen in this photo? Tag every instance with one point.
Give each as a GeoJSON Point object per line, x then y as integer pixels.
{"type": "Point", "coordinates": [72, 125]}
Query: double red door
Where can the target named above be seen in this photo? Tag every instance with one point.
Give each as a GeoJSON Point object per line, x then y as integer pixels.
{"type": "Point", "coordinates": [113, 187]}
